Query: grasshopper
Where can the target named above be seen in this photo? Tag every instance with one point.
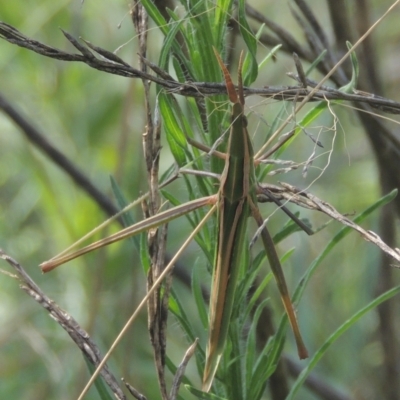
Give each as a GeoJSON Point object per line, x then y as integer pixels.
{"type": "Point", "coordinates": [235, 201]}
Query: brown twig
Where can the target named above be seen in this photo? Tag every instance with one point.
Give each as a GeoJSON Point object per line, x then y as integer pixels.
{"type": "Point", "coordinates": [329, 210]}
{"type": "Point", "coordinates": [387, 152]}
{"type": "Point", "coordinates": [191, 89]}
{"type": "Point", "coordinates": [37, 137]}
{"type": "Point", "coordinates": [157, 305]}
{"type": "Point", "coordinates": [136, 394]}
{"type": "Point", "coordinates": [198, 88]}
{"type": "Point", "coordinates": [284, 37]}
{"type": "Point", "coordinates": [82, 339]}
{"type": "Point", "coordinates": [181, 370]}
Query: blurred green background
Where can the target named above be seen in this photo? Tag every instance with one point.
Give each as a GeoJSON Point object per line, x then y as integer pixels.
{"type": "Point", "coordinates": [97, 120]}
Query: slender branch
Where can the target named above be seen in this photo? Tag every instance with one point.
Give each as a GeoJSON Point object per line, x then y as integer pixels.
{"type": "Point", "coordinates": [157, 305]}
{"type": "Point", "coordinates": [39, 139]}
{"type": "Point", "coordinates": [181, 370]}
{"type": "Point", "coordinates": [136, 394]}
{"type": "Point", "coordinates": [329, 210]}
{"type": "Point", "coordinates": [284, 37]}
{"type": "Point", "coordinates": [82, 339]}
{"type": "Point", "coordinates": [112, 64]}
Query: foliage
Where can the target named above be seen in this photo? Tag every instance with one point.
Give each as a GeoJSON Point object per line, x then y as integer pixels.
{"type": "Point", "coordinates": [97, 120]}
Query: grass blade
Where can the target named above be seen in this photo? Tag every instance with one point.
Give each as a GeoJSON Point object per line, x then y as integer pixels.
{"type": "Point", "coordinates": [335, 335]}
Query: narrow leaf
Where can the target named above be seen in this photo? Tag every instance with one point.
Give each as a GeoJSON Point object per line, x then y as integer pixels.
{"type": "Point", "coordinates": [203, 395]}
{"type": "Point", "coordinates": [250, 66]}
{"type": "Point", "coordinates": [336, 335]}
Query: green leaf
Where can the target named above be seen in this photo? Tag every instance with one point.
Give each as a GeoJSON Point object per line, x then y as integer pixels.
{"type": "Point", "coordinates": [144, 254]}
{"type": "Point", "coordinates": [289, 228]}
{"type": "Point", "coordinates": [178, 310]}
{"type": "Point", "coordinates": [316, 62]}
{"type": "Point", "coordinates": [203, 395]}
{"type": "Point", "coordinates": [176, 138]}
{"type": "Point", "coordinates": [280, 337]}
{"type": "Point", "coordinates": [337, 238]}
{"type": "Point", "coordinates": [156, 16]}
{"type": "Point", "coordinates": [222, 14]}
{"type": "Point", "coordinates": [315, 112]}
{"type": "Point", "coordinates": [127, 216]}
{"type": "Point", "coordinates": [233, 372]}
{"type": "Point", "coordinates": [272, 52]}
{"type": "Point", "coordinates": [251, 351]}
{"type": "Point", "coordinates": [260, 288]}
{"type": "Point", "coordinates": [310, 117]}
{"type": "Point", "coordinates": [250, 67]}
{"type": "Point", "coordinates": [198, 297]}
{"type": "Point", "coordinates": [354, 72]}
{"type": "Point", "coordinates": [102, 389]}
{"type": "Point", "coordinates": [192, 218]}
{"type": "Point", "coordinates": [171, 42]}
{"type": "Point", "coordinates": [336, 334]}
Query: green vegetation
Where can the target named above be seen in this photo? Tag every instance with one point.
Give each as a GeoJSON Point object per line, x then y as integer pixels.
{"type": "Point", "coordinates": [97, 120]}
